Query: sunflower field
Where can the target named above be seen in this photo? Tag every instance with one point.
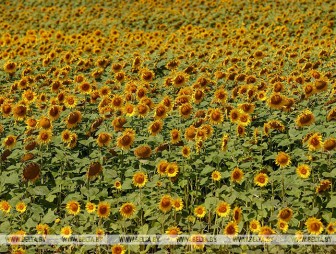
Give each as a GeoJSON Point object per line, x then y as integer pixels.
{"type": "Point", "coordinates": [168, 117]}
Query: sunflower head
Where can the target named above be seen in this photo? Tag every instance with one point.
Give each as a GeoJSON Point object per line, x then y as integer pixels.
{"type": "Point", "coordinates": [314, 226]}
{"type": "Point", "coordinates": [127, 210]}
{"type": "Point", "coordinates": [282, 159]}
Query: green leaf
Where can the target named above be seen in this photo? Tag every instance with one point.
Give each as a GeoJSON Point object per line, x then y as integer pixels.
{"type": "Point", "coordinates": [332, 202]}
{"type": "Point", "coordinates": [207, 169]}
{"type": "Point", "coordinates": [39, 190]}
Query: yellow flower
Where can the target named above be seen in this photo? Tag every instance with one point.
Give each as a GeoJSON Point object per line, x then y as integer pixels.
{"type": "Point", "coordinates": [166, 203]}
{"type": "Point", "coordinates": [73, 207]}
{"type": "Point", "coordinates": [314, 226]}
{"type": "Point", "coordinates": [5, 206]}
{"type": "Point", "coordinates": [200, 211]}
{"type": "Point", "coordinates": [261, 179]}
{"type": "Point", "coordinates": [231, 229]}
{"type": "Point", "coordinates": [66, 231]}
{"type": "Point", "coordinates": [223, 209]}
{"type": "Point", "coordinates": [127, 210]}
{"type": "Point", "coordinates": [282, 225]}
{"type": "Point", "coordinates": [303, 171]}
{"type": "Point", "coordinates": [140, 179]}
{"type": "Point", "coordinates": [254, 226]}
{"type": "Point", "coordinates": [282, 159]}
{"type": "Point", "coordinates": [216, 176]}
{"type": "Point", "coordinates": [103, 210]}
{"type": "Point", "coordinates": [90, 207]}
{"type": "Point", "coordinates": [237, 175]}
{"type": "Point", "coordinates": [172, 169]}
{"type": "Point", "coordinates": [21, 207]}
{"type": "Point", "coordinates": [118, 249]}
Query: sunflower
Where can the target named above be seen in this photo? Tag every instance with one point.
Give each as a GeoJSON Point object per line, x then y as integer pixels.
{"type": "Point", "coordinates": [331, 115]}
{"type": "Point", "coordinates": [247, 107]}
{"type": "Point", "coordinates": [254, 226]}
{"type": "Point", "coordinates": [147, 75]}
{"type": "Point", "coordinates": [161, 167]}
{"type": "Point", "coordinates": [177, 203]}
{"type": "Point", "coordinates": [117, 101]}
{"type": "Point", "coordinates": [314, 226]}
{"type": "Point", "coordinates": [331, 228]}
{"type": "Point", "coordinates": [175, 136]}
{"type": "Point", "coordinates": [282, 160]}
{"type": "Point", "coordinates": [21, 207]}
{"type": "Point", "coordinates": [155, 127]}
{"type": "Point", "coordinates": [42, 229]}
{"type": "Point", "coordinates": [126, 140]}
{"type": "Point", "coordinates": [224, 143]}
{"type": "Point", "coordinates": [31, 172]}
{"type": "Point", "coordinates": [276, 101]}
{"type": "Point", "coordinates": [118, 249]}
{"type": "Point", "coordinates": [104, 139]}
{"type": "Point", "coordinates": [73, 140]}
{"type": "Point", "coordinates": [190, 133]}
{"type": "Point", "coordinates": [127, 210]}
{"type": "Point", "coordinates": [140, 179]}
{"type": "Point", "coordinates": [276, 125]}
{"type": "Point", "coordinates": [282, 225]}
{"type": "Point", "coordinates": [85, 87]}
{"type": "Point", "coordinates": [5, 206]}
{"type": "Point", "coordinates": [299, 236]}
{"type": "Point", "coordinates": [143, 151]}
{"type": "Point", "coordinates": [73, 207]}
{"type": "Point", "coordinates": [198, 96]}
{"type": "Point", "coordinates": [142, 110]}
{"type": "Point", "coordinates": [266, 233]}
{"type": "Point", "coordinates": [237, 175]}
{"type": "Point", "coordinates": [306, 118]}
{"type": "Point", "coordinates": [220, 96]}
{"type": "Point", "coordinates": [303, 171]}
{"type": "Point", "coordinates": [103, 210]}
{"type": "Point", "coordinates": [54, 112]}
{"type": "Point", "coordinates": [329, 144]}
{"type": "Point", "coordinates": [9, 142]}
{"type": "Point", "coordinates": [309, 90]}
{"type": "Point", "coordinates": [94, 170]}
{"type": "Point", "coordinates": [185, 110]}
{"type": "Point", "coordinates": [231, 229]}
{"type": "Point", "coordinates": [6, 109]}
{"type": "Point", "coordinates": [241, 130]}
{"type": "Point", "coordinates": [44, 123]}
{"type": "Point", "coordinates": [223, 209]}
{"type": "Point", "coordinates": [73, 119]}
{"type": "Point", "coordinates": [200, 211]}
{"type": "Point", "coordinates": [185, 151]}
{"type": "Point", "coordinates": [117, 184]}
{"type": "Point", "coordinates": [166, 203]}
{"type": "Point", "coordinates": [19, 112]}
{"type": "Point", "coordinates": [66, 232]}
{"type": "Point", "coordinates": [234, 115]}
{"type": "Point", "coordinates": [216, 176]}
{"type": "Point", "coordinates": [261, 179]}
{"type": "Point", "coordinates": [118, 123]}
{"type": "Point", "coordinates": [66, 136]}
{"type": "Point", "coordinates": [10, 67]}
{"type": "Point", "coordinates": [244, 119]}
{"type": "Point", "coordinates": [315, 142]}
{"type": "Point", "coordinates": [44, 136]}
{"type": "Point", "coordinates": [29, 96]}
{"type": "Point", "coordinates": [215, 116]}
{"type": "Point", "coordinates": [173, 232]}
{"type": "Point", "coordinates": [70, 101]}
{"type": "Point", "coordinates": [172, 169]}
{"type": "Point", "coordinates": [90, 207]}
{"type": "Point", "coordinates": [237, 214]}
{"type": "Point", "coordinates": [323, 186]}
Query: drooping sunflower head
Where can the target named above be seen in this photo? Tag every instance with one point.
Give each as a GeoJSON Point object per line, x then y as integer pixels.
{"type": "Point", "coordinates": [166, 204]}
{"type": "Point", "coordinates": [94, 170]}
{"type": "Point", "coordinates": [276, 101]}
{"type": "Point", "coordinates": [266, 233]}
{"type": "Point", "coordinates": [104, 139]}
{"type": "Point", "coordinates": [329, 144]}
{"type": "Point", "coordinates": [306, 118]}
{"type": "Point", "coordinates": [45, 123]}
{"type": "Point", "coordinates": [20, 112]}
{"type": "Point", "coordinates": [143, 151]}
{"type": "Point", "coordinates": [126, 140]}
{"type": "Point", "coordinates": [10, 141]}
{"type": "Point", "coordinates": [155, 127]}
